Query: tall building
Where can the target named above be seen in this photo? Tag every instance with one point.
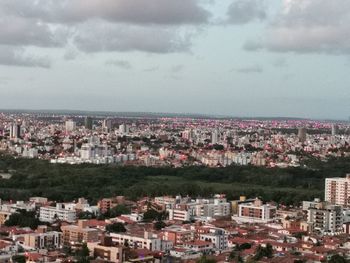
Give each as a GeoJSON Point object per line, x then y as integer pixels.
{"type": "Point", "coordinates": [124, 128]}
{"type": "Point", "coordinates": [337, 190]}
{"type": "Point", "coordinates": [15, 130]}
{"type": "Point", "coordinates": [215, 136]}
{"type": "Point", "coordinates": [335, 129]}
{"type": "Point", "coordinates": [302, 134]}
{"type": "Point", "coordinates": [88, 122]}
{"type": "Point", "coordinates": [107, 125]}
{"type": "Point", "coordinates": [70, 125]}
{"type": "Point", "coordinates": [325, 218]}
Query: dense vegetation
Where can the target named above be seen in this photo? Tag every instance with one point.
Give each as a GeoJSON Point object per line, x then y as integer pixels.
{"type": "Point", "coordinates": [63, 182]}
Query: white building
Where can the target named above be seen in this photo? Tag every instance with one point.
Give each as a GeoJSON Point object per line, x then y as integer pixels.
{"type": "Point", "coordinates": [256, 212]}
{"type": "Point", "coordinates": [70, 125]}
{"type": "Point", "coordinates": [326, 218]}
{"type": "Point", "coordinates": [216, 236]}
{"type": "Point", "coordinates": [337, 190]}
{"type": "Point", "coordinates": [50, 213]}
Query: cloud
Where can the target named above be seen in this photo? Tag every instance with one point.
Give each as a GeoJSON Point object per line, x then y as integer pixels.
{"type": "Point", "coordinates": [245, 11]}
{"type": "Point", "coordinates": [154, 26]}
{"type": "Point", "coordinates": [17, 31]}
{"type": "Point", "coordinates": [120, 11]}
{"type": "Point", "coordinates": [17, 57]}
{"type": "Point", "coordinates": [177, 68]}
{"type": "Point", "coordinates": [280, 63]}
{"type": "Point", "coordinates": [151, 69]}
{"type": "Point", "coordinates": [107, 37]}
{"type": "Point", "coordinates": [249, 69]}
{"type": "Point", "coordinates": [119, 63]}
{"type": "Point", "coordinates": [308, 26]}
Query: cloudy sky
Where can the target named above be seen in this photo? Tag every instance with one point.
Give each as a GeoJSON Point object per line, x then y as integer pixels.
{"type": "Point", "coordinates": [232, 57]}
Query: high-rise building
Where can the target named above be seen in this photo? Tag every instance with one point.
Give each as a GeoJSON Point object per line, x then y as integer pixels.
{"type": "Point", "coordinates": [88, 122]}
{"type": "Point", "coordinates": [70, 125]}
{"type": "Point", "coordinates": [302, 134]}
{"type": "Point", "coordinates": [15, 130]}
{"type": "Point", "coordinates": [107, 125]}
{"type": "Point", "coordinates": [215, 136]}
{"type": "Point", "coordinates": [335, 129]}
{"type": "Point", "coordinates": [325, 218]}
{"type": "Point", "coordinates": [337, 191]}
{"type": "Point", "coordinates": [124, 128]}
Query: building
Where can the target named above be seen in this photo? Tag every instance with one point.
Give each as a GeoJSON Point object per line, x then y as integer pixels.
{"type": "Point", "coordinates": [15, 130]}
{"type": "Point", "coordinates": [108, 253]}
{"type": "Point", "coordinates": [335, 129]}
{"type": "Point", "coordinates": [123, 129]}
{"type": "Point", "coordinates": [337, 191]}
{"type": "Point", "coordinates": [302, 134]}
{"type": "Point", "coordinates": [107, 125]}
{"type": "Point", "coordinates": [216, 236]}
{"type": "Point", "coordinates": [4, 215]}
{"type": "Point", "coordinates": [80, 233]}
{"type": "Point", "coordinates": [148, 241]}
{"type": "Point", "coordinates": [43, 239]}
{"type": "Point", "coordinates": [70, 125]}
{"type": "Point", "coordinates": [326, 218]}
{"type": "Point", "coordinates": [59, 212]}
{"type": "Point", "coordinates": [178, 235]}
{"type": "Point", "coordinates": [256, 212]}
{"type": "Point", "coordinates": [88, 123]}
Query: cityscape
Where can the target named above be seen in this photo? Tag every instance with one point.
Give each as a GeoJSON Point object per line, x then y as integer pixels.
{"type": "Point", "coordinates": [169, 131]}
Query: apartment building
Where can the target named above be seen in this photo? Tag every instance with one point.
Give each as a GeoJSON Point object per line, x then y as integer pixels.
{"type": "Point", "coordinates": [50, 213]}
{"type": "Point", "coordinates": [256, 212]}
{"type": "Point", "coordinates": [148, 241]}
{"type": "Point", "coordinates": [79, 233]}
{"type": "Point", "coordinates": [326, 218]}
{"type": "Point", "coordinates": [337, 190]}
{"type": "Point", "coordinates": [105, 250]}
{"type": "Point", "coordinates": [42, 239]}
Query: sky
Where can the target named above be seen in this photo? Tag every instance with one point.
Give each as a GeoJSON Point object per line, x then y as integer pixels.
{"type": "Point", "coordinates": [245, 58]}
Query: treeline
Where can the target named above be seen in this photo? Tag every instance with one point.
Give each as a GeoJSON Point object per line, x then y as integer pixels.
{"type": "Point", "coordinates": [63, 182]}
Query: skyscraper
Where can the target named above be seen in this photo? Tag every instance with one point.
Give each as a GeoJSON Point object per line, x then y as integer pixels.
{"type": "Point", "coordinates": [88, 123]}
{"type": "Point", "coordinates": [70, 125]}
{"type": "Point", "coordinates": [15, 130]}
{"type": "Point", "coordinates": [335, 129]}
{"type": "Point", "coordinates": [302, 134]}
{"type": "Point", "coordinates": [107, 125]}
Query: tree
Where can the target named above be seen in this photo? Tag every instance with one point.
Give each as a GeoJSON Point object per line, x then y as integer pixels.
{"type": "Point", "coordinates": [23, 219]}
{"type": "Point", "coordinates": [262, 252]}
{"type": "Point", "coordinates": [337, 259]}
{"type": "Point", "coordinates": [19, 259]}
{"type": "Point", "coordinates": [82, 254]}
{"type": "Point", "coordinates": [204, 259]}
{"type": "Point", "coordinates": [159, 225]}
{"type": "Point", "coordinates": [118, 211]}
{"type": "Point", "coordinates": [152, 215]}
{"type": "Point", "coordinates": [116, 228]}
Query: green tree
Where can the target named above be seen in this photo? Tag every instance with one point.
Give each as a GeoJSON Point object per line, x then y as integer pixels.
{"type": "Point", "coordinates": [204, 259]}
{"type": "Point", "coordinates": [19, 259]}
{"type": "Point", "coordinates": [337, 259]}
{"type": "Point", "coordinates": [82, 254]}
{"type": "Point", "coordinates": [116, 228]}
{"type": "Point", "coordinates": [159, 225]}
